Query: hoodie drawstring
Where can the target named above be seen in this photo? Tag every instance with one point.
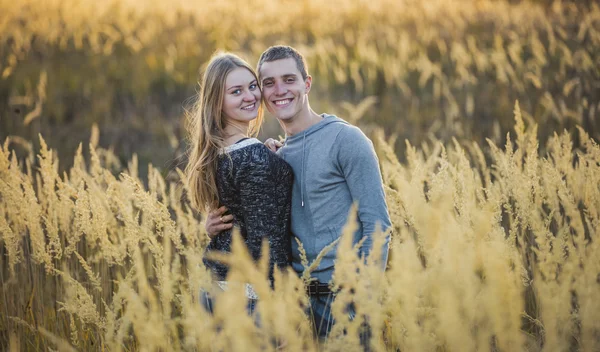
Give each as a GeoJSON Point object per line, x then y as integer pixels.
{"type": "Point", "coordinates": [302, 177]}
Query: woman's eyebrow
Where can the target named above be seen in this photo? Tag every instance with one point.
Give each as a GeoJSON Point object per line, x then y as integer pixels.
{"type": "Point", "coordinates": [232, 87]}
{"type": "Point", "coordinates": [240, 85]}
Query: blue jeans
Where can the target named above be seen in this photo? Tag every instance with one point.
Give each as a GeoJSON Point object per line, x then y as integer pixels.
{"type": "Point", "coordinates": [320, 312]}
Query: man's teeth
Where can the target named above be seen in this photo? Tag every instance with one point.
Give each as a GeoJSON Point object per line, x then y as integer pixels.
{"type": "Point", "coordinates": [282, 102]}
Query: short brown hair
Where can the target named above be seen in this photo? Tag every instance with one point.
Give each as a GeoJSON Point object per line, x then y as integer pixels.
{"type": "Point", "coordinates": [280, 52]}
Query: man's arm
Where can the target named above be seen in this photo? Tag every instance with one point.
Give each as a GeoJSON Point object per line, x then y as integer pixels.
{"type": "Point", "coordinates": [217, 222]}
{"type": "Point", "coordinates": [360, 166]}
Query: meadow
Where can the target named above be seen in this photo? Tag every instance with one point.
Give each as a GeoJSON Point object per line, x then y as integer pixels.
{"type": "Point", "coordinates": [499, 256]}
{"type": "Point", "coordinates": [419, 69]}
{"type": "Point", "coordinates": [484, 117]}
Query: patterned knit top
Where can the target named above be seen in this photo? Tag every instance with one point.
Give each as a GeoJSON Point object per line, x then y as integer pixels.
{"type": "Point", "coordinates": [256, 186]}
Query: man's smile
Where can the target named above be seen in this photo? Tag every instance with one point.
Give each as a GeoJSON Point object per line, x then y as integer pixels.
{"type": "Point", "coordinates": [282, 102]}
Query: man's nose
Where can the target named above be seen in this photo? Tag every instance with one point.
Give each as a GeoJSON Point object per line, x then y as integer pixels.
{"type": "Point", "coordinates": [280, 89]}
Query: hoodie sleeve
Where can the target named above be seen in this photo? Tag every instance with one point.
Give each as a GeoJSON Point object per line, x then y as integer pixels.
{"type": "Point", "coordinates": [360, 166]}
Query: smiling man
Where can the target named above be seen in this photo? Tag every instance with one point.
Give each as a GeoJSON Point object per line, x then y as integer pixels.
{"type": "Point", "coordinates": [334, 165]}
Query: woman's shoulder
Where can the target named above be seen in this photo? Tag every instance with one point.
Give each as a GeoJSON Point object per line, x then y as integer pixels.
{"type": "Point", "coordinates": [248, 143]}
{"type": "Point", "coordinates": [247, 152]}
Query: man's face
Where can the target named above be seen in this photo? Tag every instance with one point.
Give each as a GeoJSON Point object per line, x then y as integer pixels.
{"type": "Point", "coordinates": [284, 91]}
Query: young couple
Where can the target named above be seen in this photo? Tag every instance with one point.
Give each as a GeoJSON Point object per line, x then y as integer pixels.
{"type": "Point", "coordinates": [304, 190]}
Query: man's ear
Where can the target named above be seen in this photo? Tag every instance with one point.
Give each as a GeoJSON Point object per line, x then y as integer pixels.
{"type": "Point", "coordinates": [307, 84]}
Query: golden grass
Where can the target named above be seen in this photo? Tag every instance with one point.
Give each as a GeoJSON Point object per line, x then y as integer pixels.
{"type": "Point", "coordinates": [434, 66]}
{"type": "Point", "coordinates": [493, 248]}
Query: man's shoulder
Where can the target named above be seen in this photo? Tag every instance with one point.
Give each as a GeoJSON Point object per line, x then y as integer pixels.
{"type": "Point", "coordinates": [340, 127]}
{"type": "Point", "coordinates": [348, 133]}
{"type": "Point", "coordinates": [352, 143]}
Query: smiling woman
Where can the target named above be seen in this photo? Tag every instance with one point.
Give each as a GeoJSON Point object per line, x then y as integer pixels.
{"type": "Point", "coordinates": [240, 103]}
{"type": "Point", "coordinates": [217, 120]}
{"type": "Point", "coordinates": [229, 168]}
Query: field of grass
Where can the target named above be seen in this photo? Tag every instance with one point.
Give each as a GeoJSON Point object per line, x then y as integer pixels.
{"type": "Point", "coordinates": [421, 69]}
{"type": "Point", "coordinates": [499, 255]}
{"type": "Point", "coordinates": [495, 204]}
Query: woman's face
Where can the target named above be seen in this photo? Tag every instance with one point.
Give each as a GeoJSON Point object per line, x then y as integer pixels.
{"type": "Point", "coordinates": [242, 96]}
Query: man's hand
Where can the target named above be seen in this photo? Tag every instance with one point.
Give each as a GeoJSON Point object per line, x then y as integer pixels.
{"type": "Point", "coordinates": [273, 144]}
{"type": "Point", "coordinates": [217, 222]}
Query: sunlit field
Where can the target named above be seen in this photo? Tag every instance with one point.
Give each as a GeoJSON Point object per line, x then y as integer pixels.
{"type": "Point", "coordinates": [484, 115]}
{"type": "Point", "coordinates": [419, 69]}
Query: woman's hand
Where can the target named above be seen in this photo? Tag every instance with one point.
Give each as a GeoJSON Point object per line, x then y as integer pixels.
{"type": "Point", "coordinates": [273, 144]}
{"type": "Point", "coordinates": [217, 222]}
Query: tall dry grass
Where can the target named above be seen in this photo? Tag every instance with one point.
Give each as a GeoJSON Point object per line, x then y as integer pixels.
{"type": "Point", "coordinates": [425, 67]}
{"type": "Point", "coordinates": [494, 248]}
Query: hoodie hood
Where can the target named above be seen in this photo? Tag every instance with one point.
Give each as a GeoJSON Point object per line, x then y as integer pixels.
{"type": "Point", "coordinates": [325, 121]}
{"type": "Point", "coordinates": [301, 138]}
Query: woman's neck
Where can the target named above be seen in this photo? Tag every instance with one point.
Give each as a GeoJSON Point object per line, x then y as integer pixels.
{"type": "Point", "coordinates": [234, 131]}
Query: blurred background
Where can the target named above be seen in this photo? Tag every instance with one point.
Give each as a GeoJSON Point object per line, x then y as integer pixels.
{"type": "Point", "coordinates": [420, 70]}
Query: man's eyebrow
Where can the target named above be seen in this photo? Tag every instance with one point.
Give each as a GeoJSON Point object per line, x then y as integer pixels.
{"type": "Point", "coordinates": [287, 75]}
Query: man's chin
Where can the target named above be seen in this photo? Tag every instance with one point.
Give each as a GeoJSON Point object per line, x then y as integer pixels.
{"type": "Point", "coordinates": [279, 115]}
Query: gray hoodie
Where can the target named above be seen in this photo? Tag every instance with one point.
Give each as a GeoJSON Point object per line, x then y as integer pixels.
{"type": "Point", "coordinates": [334, 165]}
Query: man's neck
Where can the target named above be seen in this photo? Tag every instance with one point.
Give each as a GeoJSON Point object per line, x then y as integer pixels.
{"type": "Point", "coordinates": [301, 122]}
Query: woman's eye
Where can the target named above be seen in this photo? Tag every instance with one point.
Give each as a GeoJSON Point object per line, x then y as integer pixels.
{"type": "Point", "coordinates": [236, 92]}
{"type": "Point", "coordinates": [253, 86]}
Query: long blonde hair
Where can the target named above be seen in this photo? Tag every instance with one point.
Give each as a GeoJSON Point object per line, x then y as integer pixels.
{"type": "Point", "coordinates": [206, 130]}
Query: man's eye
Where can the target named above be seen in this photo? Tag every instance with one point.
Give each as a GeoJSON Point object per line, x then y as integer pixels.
{"type": "Point", "coordinates": [290, 80]}
{"type": "Point", "coordinates": [268, 84]}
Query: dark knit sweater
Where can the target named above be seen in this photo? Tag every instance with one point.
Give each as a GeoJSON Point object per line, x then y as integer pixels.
{"type": "Point", "coordinates": [256, 186]}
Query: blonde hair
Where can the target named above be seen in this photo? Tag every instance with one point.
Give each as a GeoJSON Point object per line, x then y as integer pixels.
{"type": "Point", "coordinates": [206, 130]}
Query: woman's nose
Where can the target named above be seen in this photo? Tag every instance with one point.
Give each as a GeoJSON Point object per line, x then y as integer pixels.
{"type": "Point", "coordinates": [248, 96]}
